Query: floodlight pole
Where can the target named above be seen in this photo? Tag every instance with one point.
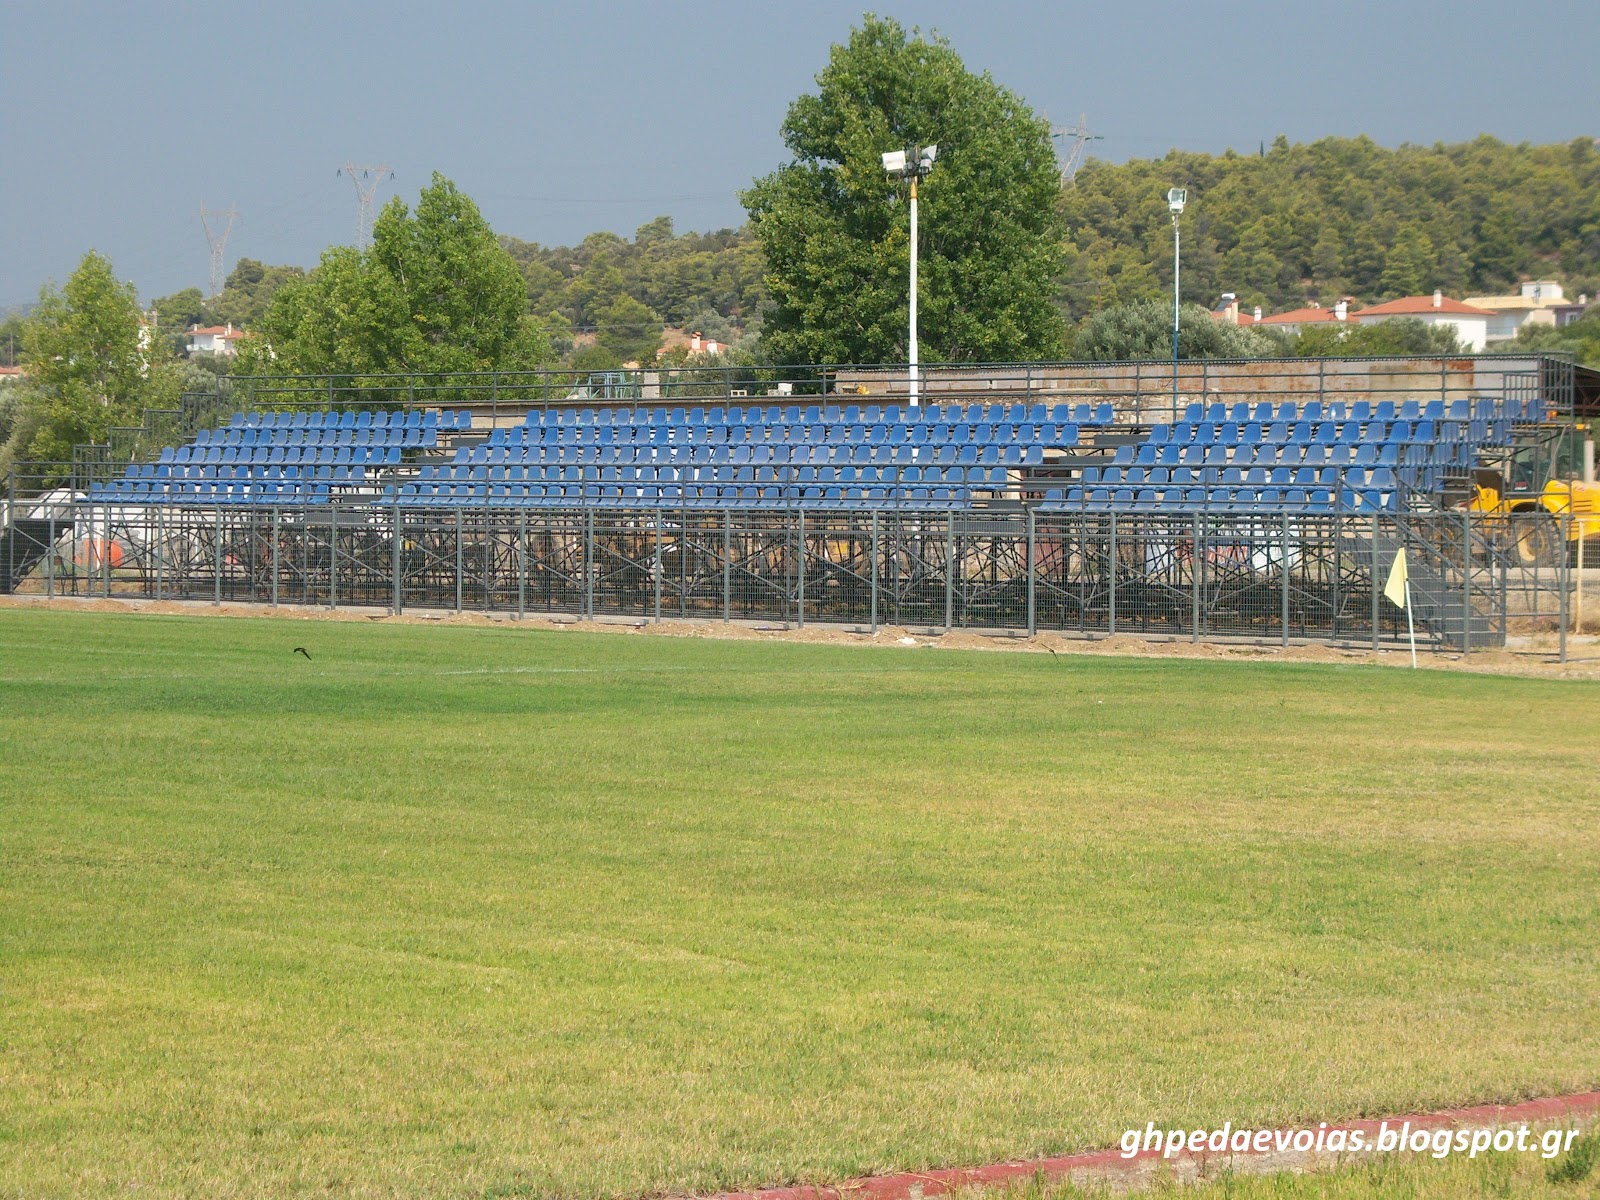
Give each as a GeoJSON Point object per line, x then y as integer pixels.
{"type": "Point", "coordinates": [1176, 266]}
{"type": "Point", "coordinates": [1176, 198]}
{"type": "Point", "coordinates": [911, 165]}
{"type": "Point", "coordinates": [914, 396]}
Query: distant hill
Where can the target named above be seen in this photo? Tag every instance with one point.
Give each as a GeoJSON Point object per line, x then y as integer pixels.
{"type": "Point", "coordinates": [1336, 217]}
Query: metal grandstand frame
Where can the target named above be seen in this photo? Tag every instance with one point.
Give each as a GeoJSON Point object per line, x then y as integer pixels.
{"type": "Point", "coordinates": [1001, 565]}
{"type": "Point", "coordinates": [1200, 576]}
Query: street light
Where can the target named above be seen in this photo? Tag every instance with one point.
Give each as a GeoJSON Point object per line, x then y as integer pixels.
{"type": "Point", "coordinates": [911, 165]}
{"type": "Point", "coordinates": [1176, 198]}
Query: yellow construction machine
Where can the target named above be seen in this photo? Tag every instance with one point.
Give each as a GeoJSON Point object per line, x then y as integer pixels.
{"type": "Point", "coordinates": [1535, 488]}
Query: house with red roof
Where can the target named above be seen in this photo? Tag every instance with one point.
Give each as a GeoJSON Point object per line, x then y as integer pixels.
{"type": "Point", "coordinates": [214, 339]}
{"type": "Point", "coordinates": [1295, 319]}
{"type": "Point", "coordinates": [1227, 311]}
{"type": "Point", "coordinates": [1470, 323]}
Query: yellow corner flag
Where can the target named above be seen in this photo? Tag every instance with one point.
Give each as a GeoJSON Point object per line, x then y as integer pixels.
{"type": "Point", "coordinates": [1395, 589]}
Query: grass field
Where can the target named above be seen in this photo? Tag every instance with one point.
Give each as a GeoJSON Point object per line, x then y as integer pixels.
{"type": "Point", "coordinates": [490, 912]}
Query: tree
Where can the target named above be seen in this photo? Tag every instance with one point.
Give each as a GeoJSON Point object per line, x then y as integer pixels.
{"type": "Point", "coordinates": [628, 330]}
{"type": "Point", "coordinates": [834, 228]}
{"type": "Point", "coordinates": [1143, 331]}
{"type": "Point", "coordinates": [436, 292]}
{"type": "Point", "coordinates": [1582, 337]}
{"type": "Point", "coordinates": [1409, 263]}
{"type": "Point", "coordinates": [1338, 216]}
{"type": "Point", "coordinates": [88, 364]}
{"type": "Point", "coordinates": [1399, 335]}
{"type": "Point", "coordinates": [248, 292]}
{"type": "Point", "coordinates": [175, 314]}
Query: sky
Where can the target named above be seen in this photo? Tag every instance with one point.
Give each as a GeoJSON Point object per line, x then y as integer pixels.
{"type": "Point", "coordinates": [119, 120]}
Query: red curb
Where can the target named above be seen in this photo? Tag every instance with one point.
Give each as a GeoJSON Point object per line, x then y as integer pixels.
{"type": "Point", "coordinates": [912, 1185]}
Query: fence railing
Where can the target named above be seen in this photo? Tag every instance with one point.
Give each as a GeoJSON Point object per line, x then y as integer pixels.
{"type": "Point", "coordinates": [1264, 577]}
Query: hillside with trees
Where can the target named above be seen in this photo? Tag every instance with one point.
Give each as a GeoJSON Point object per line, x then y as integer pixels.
{"type": "Point", "coordinates": [624, 292]}
{"type": "Point", "coordinates": [1341, 216]}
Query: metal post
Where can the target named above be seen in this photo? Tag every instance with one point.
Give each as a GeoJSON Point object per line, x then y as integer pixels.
{"type": "Point", "coordinates": [333, 557]}
{"type": "Point", "coordinates": [872, 612]}
{"type": "Point", "coordinates": [160, 545]}
{"type": "Point", "coordinates": [657, 570]}
{"type": "Point", "coordinates": [913, 305]}
{"type": "Point", "coordinates": [105, 555]}
{"type": "Point", "coordinates": [1284, 517]}
{"type": "Point", "coordinates": [801, 590]}
{"type": "Point", "coordinates": [1111, 571]}
{"type": "Point", "coordinates": [588, 563]}
{"type": "Point", "coordinates": [522, 563]}
{"type": "Point", "coordinates": [277, 515]}
{"type": "Point", "coordinates": [49, 554]}
{"type": "Point", "coordinates": [1033, 571]}
{"type": "Point", "coordinates": [1176, 259]}
{"type": "Point", "coordinates": [727, 567]}
{"type": "Point", "coordinates": [216, 559]}
{"type": "Point", "coordinates": [1196, 557]}
{"type": "Point", "coordinates": [1466, 571]}
{"type": "Point", "coordinates": [396, 551]}
{"type": "Point", "coordinates": [1577, 616]}
{"type": "Point", "coordinates": [461, 563]}
{"type": "Point", "coordinates": [1562, 581]}
{"type": "Point", "coordinates": [949, 570]}
{"type": "Point", "coordinates": [1377, 573]}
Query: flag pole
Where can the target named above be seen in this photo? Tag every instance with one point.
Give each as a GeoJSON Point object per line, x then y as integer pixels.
{"type": "Point", "coordinates": [1411, 625]}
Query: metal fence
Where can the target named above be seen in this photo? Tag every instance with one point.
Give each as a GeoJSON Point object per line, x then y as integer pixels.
{"type": "Point", "coordinates": [1264, 577]}
{"type": "Point", "coordinates": [1140, 391]}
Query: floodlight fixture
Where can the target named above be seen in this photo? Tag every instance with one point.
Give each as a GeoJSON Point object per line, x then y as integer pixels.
{"type": "Point", "coordinates": [894, 162]}
{"type": "Point", "coordinates": [1176, 198]}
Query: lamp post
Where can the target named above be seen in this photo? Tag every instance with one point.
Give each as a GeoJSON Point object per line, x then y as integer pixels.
{"type": "Point", "coordinates": [1175, 202]}
{"type": "Point", "coordinates": [911, 165]}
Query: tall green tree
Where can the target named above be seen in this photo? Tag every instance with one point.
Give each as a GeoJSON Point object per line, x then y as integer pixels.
{"type": "Point", "coordinates": [1143, 330]}
{"type": "Point", "coordinates": [834, 228]}
{"type": "Point", "coordinates": [435, 292]}
{"type": "Point", "coordinates": [90, 363]}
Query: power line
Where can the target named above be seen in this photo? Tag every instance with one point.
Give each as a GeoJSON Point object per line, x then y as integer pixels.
{"type": "Point", "coordinates": [218, 241]}
{"type": "Point", "coordinates": [1081, 137]}
{"type": "Point", "coordinates": [366, 179]}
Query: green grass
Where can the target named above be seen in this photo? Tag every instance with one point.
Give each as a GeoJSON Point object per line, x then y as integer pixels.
{"type": "Point", "coordinates": [490, 912]}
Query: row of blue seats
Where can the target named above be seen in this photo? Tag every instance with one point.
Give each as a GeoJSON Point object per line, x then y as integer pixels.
{"type": "Point", "coordinates": [990, 477]}
{"type": "Point", "coordinates": [1013, 456]}
{"type": "Point", "coordinates": [372, 455]}
{"type": "Point", "coordinates": [820, 414]}
{"type": "Point", "coordinates": [425, 439]}
{"type": "Point", "coordinates": [1327, 433]}
{"type": "Point", "coordinates": [1379, 477]}
{"type": "Point", "coordinates": [1315, 455]}
{"type": "Point", "coordinates": [1233, 500]}
{"type": "Point", "coordinates": [915, 497]}
{"type": "Point", "coordinates": [1341, 410]}
{"type": "Point", "coordinates": [214, 491]}
{"type": "Point", "coordinates": [1047, 433]}
{"type": "Point", "coordinates": [158, 471]}
{"type": "Point", "coordinates": [570, 495]}
{"type": "Point", "coordinates": [416, 418]}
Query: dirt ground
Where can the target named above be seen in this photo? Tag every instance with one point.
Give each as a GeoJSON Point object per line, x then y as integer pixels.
{"type": "Point", "coordinates": [1531, 654]}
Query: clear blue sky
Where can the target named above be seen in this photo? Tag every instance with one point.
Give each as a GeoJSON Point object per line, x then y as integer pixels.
{"type": "Point", "coordinates": [117, 120]}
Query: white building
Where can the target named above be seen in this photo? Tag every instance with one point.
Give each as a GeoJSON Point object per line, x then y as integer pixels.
{"type": "Point", "coordinates": [214, 339]}
{"type": "Point", "coordinates": [1536, 304]}
{"type": "Point", "coordinates": [1471, 324]}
